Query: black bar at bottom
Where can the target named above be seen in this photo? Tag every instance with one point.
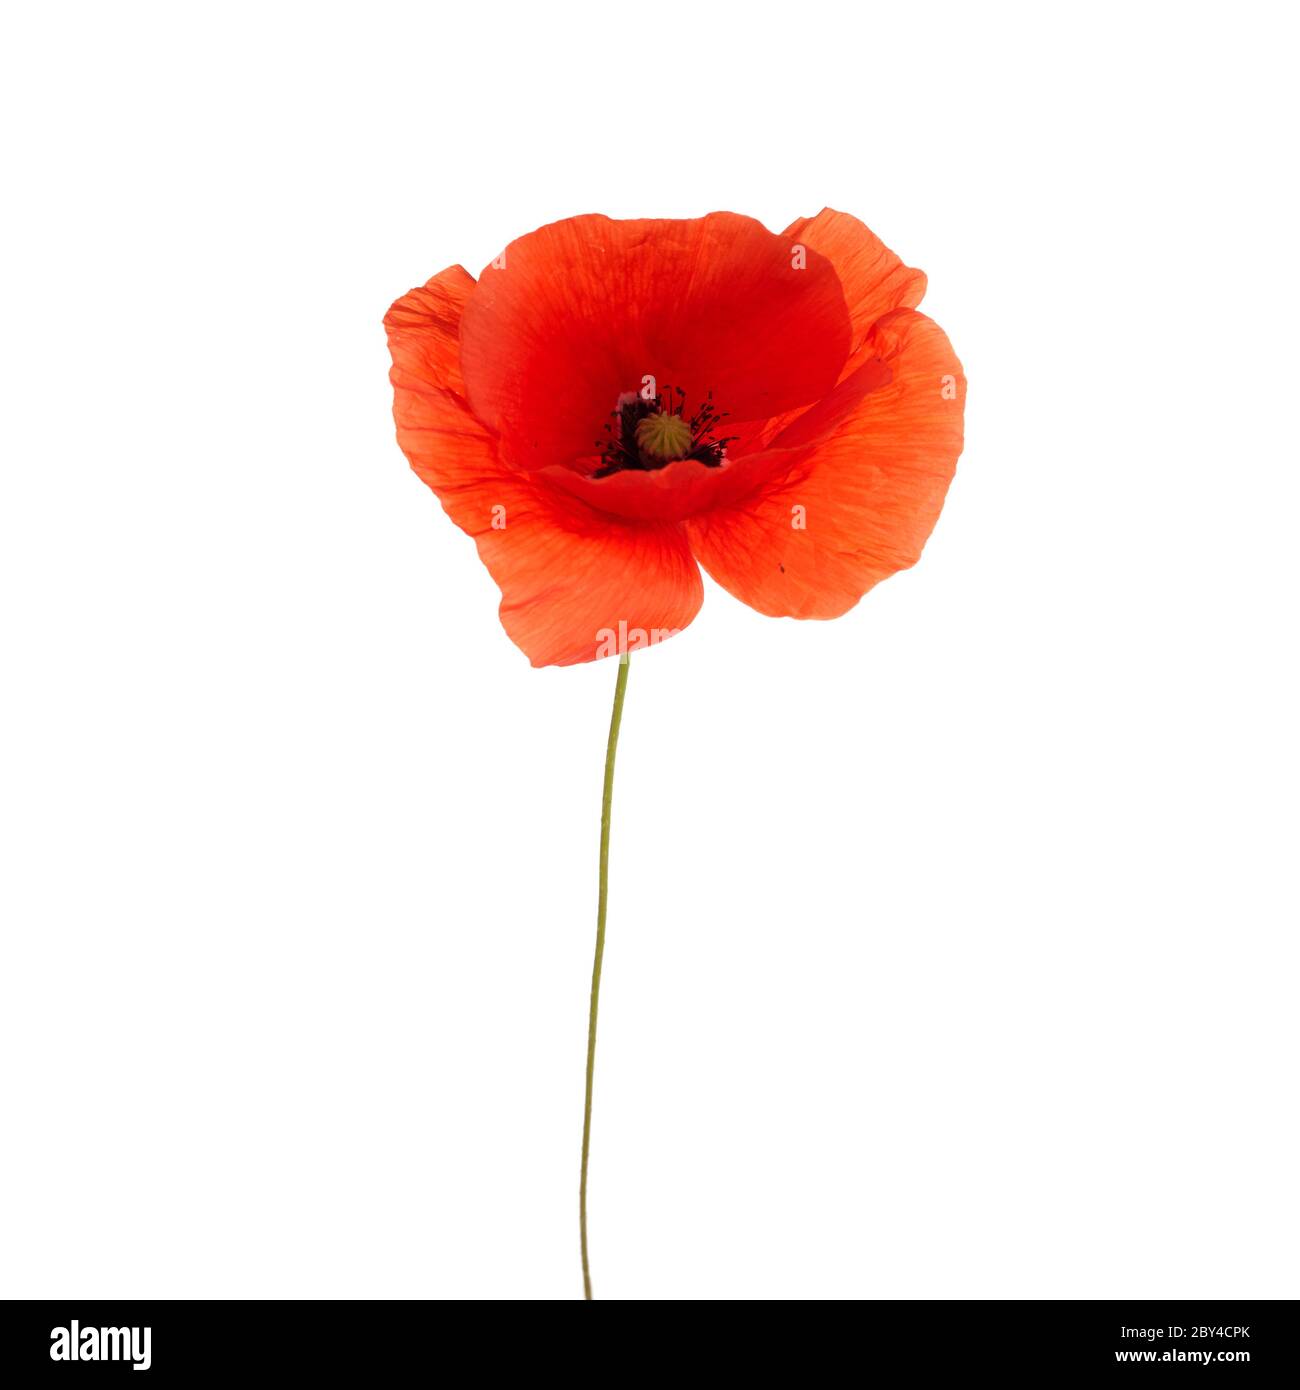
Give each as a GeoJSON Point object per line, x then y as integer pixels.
{"type": "Point", "coordinates": [191, 1342]}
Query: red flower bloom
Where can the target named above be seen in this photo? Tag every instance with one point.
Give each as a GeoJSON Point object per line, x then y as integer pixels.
{"type": "Point", "coordinates": [613, 404]}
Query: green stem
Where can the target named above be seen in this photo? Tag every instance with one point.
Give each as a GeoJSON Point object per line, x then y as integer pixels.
{"type": "Point", "coordinates": [620, 687]}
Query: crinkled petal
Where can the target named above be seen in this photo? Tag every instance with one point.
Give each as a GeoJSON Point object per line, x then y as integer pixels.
{"type": "Point", "coordinates": [583, 310]}
{"type": "Point", "coordinates": [868, 470]}
{"type": "Point", "coordinates": [575, 583]}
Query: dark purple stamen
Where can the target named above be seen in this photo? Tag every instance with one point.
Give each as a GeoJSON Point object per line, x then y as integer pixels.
{"type": "Point", "coordinates": [619, 449]}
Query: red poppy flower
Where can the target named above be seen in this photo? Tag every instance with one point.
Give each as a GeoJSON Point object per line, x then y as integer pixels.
{"type": "Point", "coordinates": [613, 404]}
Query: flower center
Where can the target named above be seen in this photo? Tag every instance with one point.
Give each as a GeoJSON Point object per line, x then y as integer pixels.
{"type": "Point", "coordinates": [647, 434]}
{"type": "Point", "coordinates": [664, 436]}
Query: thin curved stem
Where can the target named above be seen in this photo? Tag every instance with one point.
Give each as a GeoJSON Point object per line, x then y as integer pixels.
{"type": "Point", "coordinates": [611, 748]}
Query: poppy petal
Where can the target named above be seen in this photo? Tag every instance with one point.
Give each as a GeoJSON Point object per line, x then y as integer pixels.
{"type": "Point", "coordinates": [424, 329]}
{"type": "Point", "coordinates": [445, 445]}
{"type": "Point", "coordinates": [575, 584]}
{"type": "Point", "coordinates": [868, 472]}
{"type": "Point", "coordinates": [875, 281]}
{"type": "Point", "coordinates": [575, 314]}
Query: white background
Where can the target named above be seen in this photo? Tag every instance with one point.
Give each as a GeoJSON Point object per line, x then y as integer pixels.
{"type": "Point", "coordinates": [952, 945]}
